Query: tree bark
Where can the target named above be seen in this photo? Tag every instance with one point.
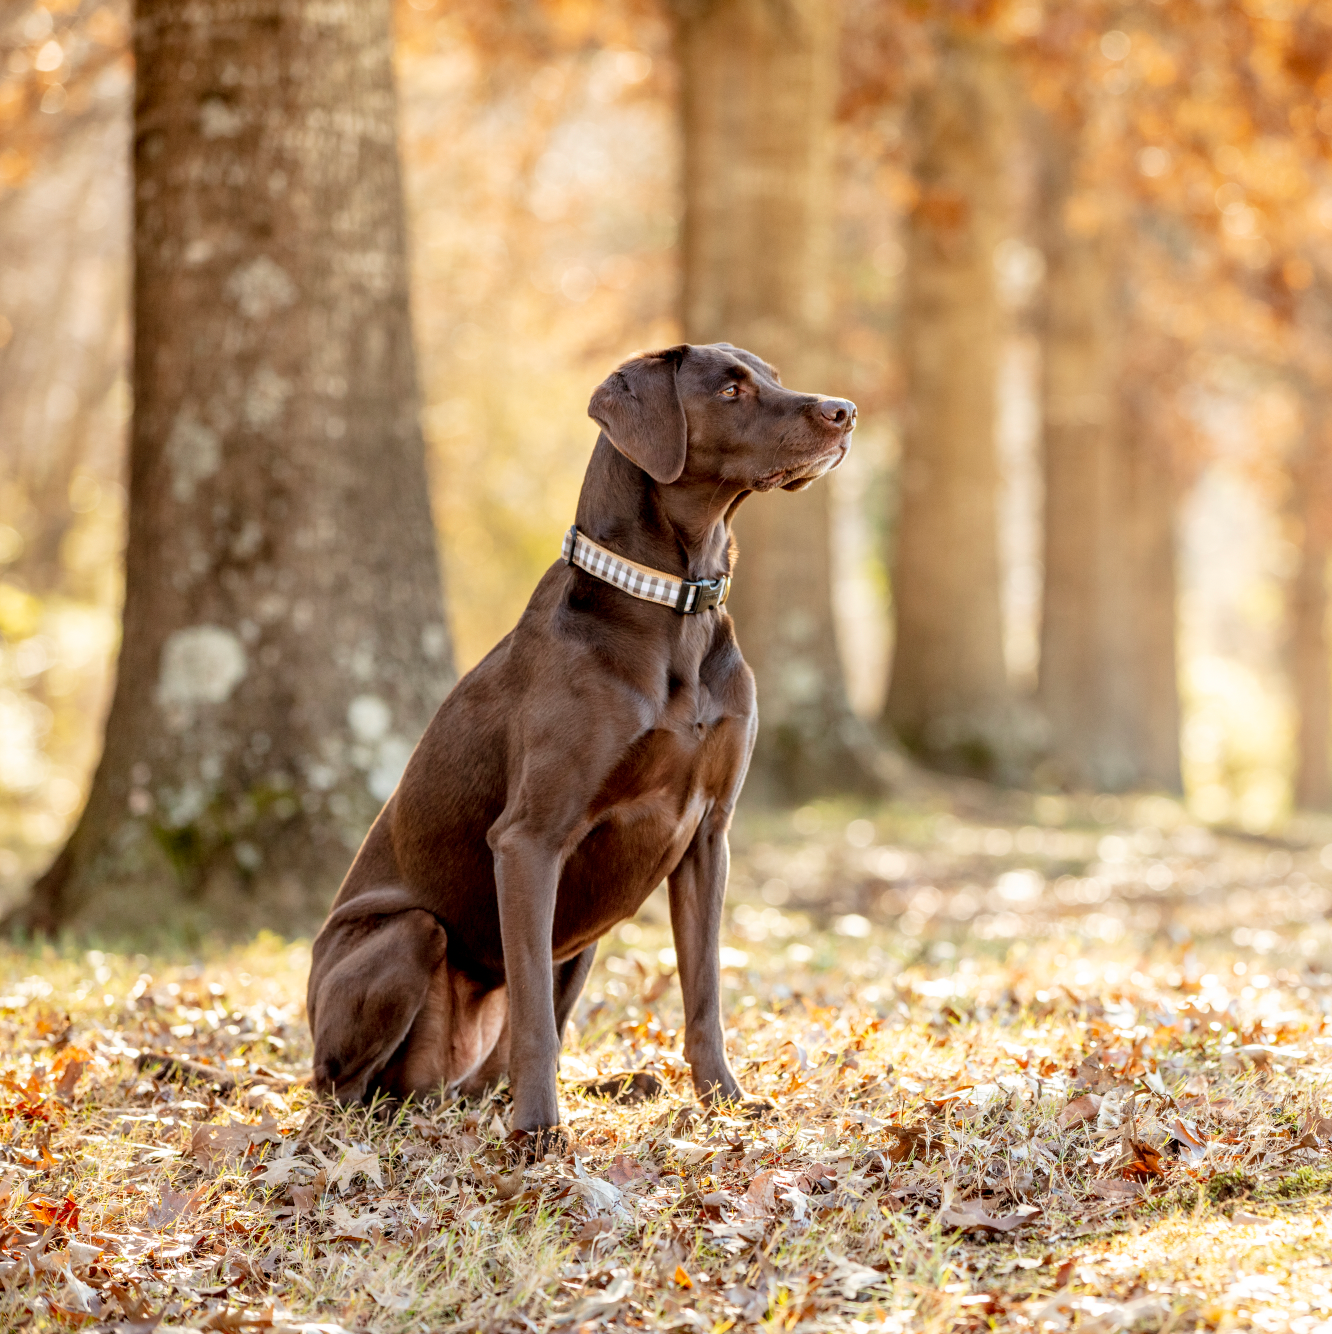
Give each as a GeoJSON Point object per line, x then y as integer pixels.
{"type": "Point", "coordinates": [948, 691]}
{"type": "Point", "coordinates": [1107, 681]}
{"type": "Point", "coordinates": [758, 93]}
{"type": "Point", "coordinates": [1310, 660]}
{"type": "Point", "coordinates": [1147, 640]}
{"type": "Point", "coordinates": [284, 639]}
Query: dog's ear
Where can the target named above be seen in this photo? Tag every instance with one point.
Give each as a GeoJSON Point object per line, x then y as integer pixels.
{"type": "Point", "coordinates": [639, 408]}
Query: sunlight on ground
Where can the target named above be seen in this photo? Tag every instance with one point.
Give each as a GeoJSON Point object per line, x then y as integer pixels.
{"type": "Point", "coordinates": [1025, 1073]}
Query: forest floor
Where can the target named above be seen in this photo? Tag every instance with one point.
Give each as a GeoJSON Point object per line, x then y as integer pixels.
{"type": "Point", "coordinates": [1035, 1065]}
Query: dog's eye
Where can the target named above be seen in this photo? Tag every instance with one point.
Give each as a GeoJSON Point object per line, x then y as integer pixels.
{"type": "Point", "coordinates": [731, 391]}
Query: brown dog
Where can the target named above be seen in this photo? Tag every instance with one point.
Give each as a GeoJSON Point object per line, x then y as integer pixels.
{"type": "Point", "coordinates": [599, 748]}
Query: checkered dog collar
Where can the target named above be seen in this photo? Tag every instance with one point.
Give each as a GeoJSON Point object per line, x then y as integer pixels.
{"type": "Point", "coordinates": [686, 596]}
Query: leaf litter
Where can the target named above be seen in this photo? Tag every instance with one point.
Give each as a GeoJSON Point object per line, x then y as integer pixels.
{"type": "Point", "coordinates": [1009, 1116]}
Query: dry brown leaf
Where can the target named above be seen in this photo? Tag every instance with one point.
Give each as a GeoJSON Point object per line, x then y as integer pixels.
{"type": "Point", "coordinates": [1079, 1110]}
{"type": "Point", "coordinates": [624, 1170]}
{"type": "Point", "coordinates": [1145, 1163]}
{"type": "Point", "coordinates": [1192, 1147]}
{"type": "Point", "coordinates": [761, 1197]}
{"type": "Point", "coordinates": [173, 1206]}
{"type": "Point", "coordinates": [69, 1077]}
{"type": "Point", "coordinates": [346, 1226]}
{"type": "Point", "coordinates": [971, 1214]}
{"type": "Point", "coordinates": [352, 1161]}
{"type": "Point", "coordinates": [212, 1143]}
{"type": "Point", "coordinates": [599, 1225]}
{"type": "Point", "coordinates": [907, 1139]}
{"type": "Point", "coordinates": [1108, 1188]}
{"type": "Point", "coordinates": [505, 1187]}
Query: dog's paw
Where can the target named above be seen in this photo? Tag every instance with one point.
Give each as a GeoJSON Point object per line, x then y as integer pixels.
{"type": "Point", "coordinates": [531, 1146]}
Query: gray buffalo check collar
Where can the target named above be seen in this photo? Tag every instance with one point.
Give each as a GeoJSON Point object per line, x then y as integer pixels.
{"type": "Point", "coordinates": [686, 596]}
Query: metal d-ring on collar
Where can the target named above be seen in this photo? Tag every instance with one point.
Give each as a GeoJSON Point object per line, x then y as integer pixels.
{"type": "Point", "coordinates": [687, 596]}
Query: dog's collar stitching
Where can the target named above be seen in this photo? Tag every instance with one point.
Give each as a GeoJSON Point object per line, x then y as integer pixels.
{"type": "Point", "coordinates": [687, 596]}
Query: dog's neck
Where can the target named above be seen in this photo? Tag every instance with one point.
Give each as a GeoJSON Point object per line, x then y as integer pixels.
{"type": "Point", "coordinates": [684, 533]}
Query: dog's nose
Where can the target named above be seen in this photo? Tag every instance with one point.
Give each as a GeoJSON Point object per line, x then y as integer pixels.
{"type": "Point", "coordinates": [838, 411]}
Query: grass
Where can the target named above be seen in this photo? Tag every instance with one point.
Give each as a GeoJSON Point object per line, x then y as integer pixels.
{"type": "Point", "coordinates": [924, 994]}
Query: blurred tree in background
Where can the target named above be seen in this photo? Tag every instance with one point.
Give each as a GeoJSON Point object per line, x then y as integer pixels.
{"type": "Point", "coordinates": [948, 693]}
{"type": "Point", "coordinates": [759, 86]}
{"type": "Point", "coordinates": [284, 640]}
{"type": "Point", "coordinates": [1072, 262]}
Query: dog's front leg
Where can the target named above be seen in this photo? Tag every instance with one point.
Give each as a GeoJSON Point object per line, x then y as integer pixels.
{"type": "Point", "coordinates": [697, 889]}
{"type": "Point", "coordinates": [527, 874]}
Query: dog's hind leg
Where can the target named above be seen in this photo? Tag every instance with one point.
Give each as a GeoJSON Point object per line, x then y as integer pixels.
{"type": "Point", "coordinates": [570, 977]}
{"type": "Point", "coordinates": [374, 963]}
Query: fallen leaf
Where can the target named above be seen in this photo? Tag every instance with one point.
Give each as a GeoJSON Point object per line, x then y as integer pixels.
{"type": "Point", "coordinates": [1079, 1110]}
{"type": "Point", "coordinates": [172, 1206]}
{"type": "Point", "coordinates": [303, 1198]}
{"type": "Point", "coordinates": [597, 1226]}
{"type": "Point", "coordinates": [688, 1152]}
{"type": "Point", "coordinates": [83, 1253]}
{"type": "Point", "coordinates": [681, 1277]}
{"type": "Point", "coordinates": [54, 1213]}
{"type": "Point", "coordinates": [276, 1171]}
{"type": "Point", "coordinates": [907, 1140]}
{"type": "Point", "coordinates": [600, 1196]}
{"type": "Point", "coordinates": [390, 1299]}
{"type": "Point", "coordinates": [624, 1170]}
{"type": "Point", "coordinates": [761, 1197]}
{"type": "Point", "coordinates": [1192, 1147]}
{"type": "Point", "coordinates": [211, 1143]}
{"type": "Point", "coordinates": [69, 1077]}
{"type": "Point", "coordinates": [1108, 1188]}
{"type": "Point", "coordinates": [599, 1305]}
{"type": "Point", "coordinates": [850, 1278]}
{"type": "Point", "coordinates": [971, 1214]}
{"type": "Point", "coordinates": [346, 1226]}
{"type": "Point", "coordinates": [797, 1200]}
{"type": "Point", "coordinates": [81, 1297]}
{"type": "Point", "coordinates": [353, 1160]}
{"type": "Point", "coordinates": [801, 1055]}
{"type": "Point", "coordinates": [1146, 1162]}
{"type": "Point", "coordinates": [505, 1187]}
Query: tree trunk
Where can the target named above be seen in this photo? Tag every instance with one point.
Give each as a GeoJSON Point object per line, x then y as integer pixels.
{"type": "Point", "coordinates": [1146, 641]}
{"type": "Point", "coordinates": [948, 690]}
{"type": "Point", "coordinates": [284, 640]}
{"type": "Point", "coordinates": [758, 92]}
{"type": "Point", "coordinates": [1107, 681]}
{"type": "Point", "coordinates": [1310, 662]}
{"type": "Point", "coordinates": [1081, 353]}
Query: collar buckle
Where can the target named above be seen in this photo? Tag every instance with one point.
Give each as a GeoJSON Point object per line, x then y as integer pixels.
{"type": "Point", "coordinates": [702, 594]}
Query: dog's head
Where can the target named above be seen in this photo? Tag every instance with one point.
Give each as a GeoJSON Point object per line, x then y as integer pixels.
{"type": "Point", "coordinates": [716, 413]}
